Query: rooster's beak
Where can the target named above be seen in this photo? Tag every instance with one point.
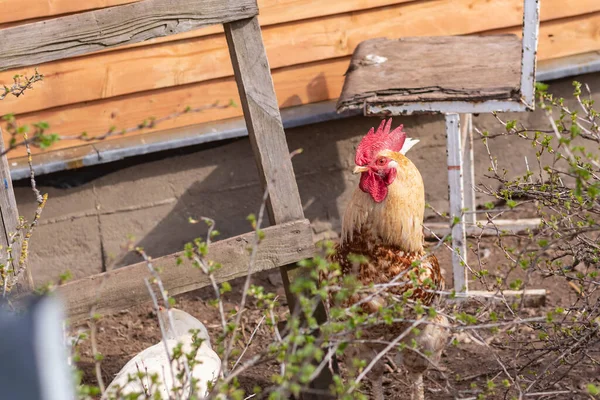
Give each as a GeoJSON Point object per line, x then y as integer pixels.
{"type": "Point", "coordinates": [358, 169]}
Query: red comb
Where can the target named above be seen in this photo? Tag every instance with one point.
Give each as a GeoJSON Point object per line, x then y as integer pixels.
{"type": "Point", "coordinates": [383, 139]}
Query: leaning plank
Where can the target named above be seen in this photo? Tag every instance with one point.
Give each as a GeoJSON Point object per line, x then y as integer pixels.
{"type": "Point", "coordinates": [261, 111]}
{"type": "Point", "coordinates": [124, 287]}
{"type": "Point", "coordinates": [9, 217]}
{"type": "Point", "coordinates": [265, 129]}
{"type": "Point", "coordinates": [78, 34]}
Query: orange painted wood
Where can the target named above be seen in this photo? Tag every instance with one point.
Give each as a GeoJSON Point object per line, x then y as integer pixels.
{"type": "Point", "coordinates": [296, 85]}
{"type": "Point", "coordinates": [273, 11]}
{"type": "Point", "coordinates": [566, 37]}
{"type": "Point", "coordinates": [203, 58]}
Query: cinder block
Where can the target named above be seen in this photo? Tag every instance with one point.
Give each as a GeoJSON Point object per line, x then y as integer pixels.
{"type": "Point", "coordinates": [72, 245]}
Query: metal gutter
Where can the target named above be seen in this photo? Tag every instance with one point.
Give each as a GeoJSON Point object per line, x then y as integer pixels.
{"type": "Point", "coordinates": [563, 67]}
{"type": "Point", "coordinates": [113, 150]}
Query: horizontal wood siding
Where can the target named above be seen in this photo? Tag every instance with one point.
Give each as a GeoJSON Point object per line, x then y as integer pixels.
{"type": "Point", "coordinates": [308, 44]}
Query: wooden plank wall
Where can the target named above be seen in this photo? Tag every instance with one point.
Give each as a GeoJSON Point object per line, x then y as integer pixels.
{"type": "Point", "coordinates": [308, 43]}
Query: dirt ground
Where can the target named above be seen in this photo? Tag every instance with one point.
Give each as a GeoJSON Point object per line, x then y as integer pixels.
{"type": "Point", "coordinates": [465, 369]}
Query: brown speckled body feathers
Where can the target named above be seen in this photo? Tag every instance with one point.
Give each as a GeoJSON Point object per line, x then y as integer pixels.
{"type": "Point", "coordinates": [414, 271]}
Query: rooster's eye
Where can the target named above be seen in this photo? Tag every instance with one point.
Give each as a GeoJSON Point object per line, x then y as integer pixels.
{"type": "Point", "coordinates": [381, 161]}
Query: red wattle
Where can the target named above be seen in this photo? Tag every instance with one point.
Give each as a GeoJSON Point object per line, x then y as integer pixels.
{"type": "Point", "coordinates": [376, 185]}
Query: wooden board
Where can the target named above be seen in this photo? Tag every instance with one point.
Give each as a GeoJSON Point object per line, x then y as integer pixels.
{"type": "Point", "coordinates": [261, 112]}
{"type": "Point", "coordinates": [269, 145]}
{"type": "Point", "coordinates": [124, 287]}
{"type": "Point", "coordinates": [293, 85]}
{"type": "Point", "coordinates": [77, 34]}
{"type": "Point", "coordinates": [418, 69]}
{"type": "Point", "coordinates": [278, 11]}
{"type": "Point", "coordinates": [152, 67]}
{"type": "Point", "coordinates": [566, 37]}
{"type": "Point", "coordinates": [9, 220]}
{"type": "Point", "coordinates": [530, 298]}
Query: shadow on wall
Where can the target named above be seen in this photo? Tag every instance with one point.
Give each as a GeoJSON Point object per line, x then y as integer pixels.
{"type": "Point", "coordinates": [231, 191]}
{"type": "Point", "coordinates": [92, 211]}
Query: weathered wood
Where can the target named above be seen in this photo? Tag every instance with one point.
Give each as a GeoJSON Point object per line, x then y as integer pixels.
{"type": "Point", "coordinates": [499, 226]}
{"type": "Point", "coordinates": [422, 69]}
{"type": "Point", "coordinates": [456, 195]}
{"type": "Point", "coordinates": [529, 297]}
{"type": "Point", "coordinates": [9, 217]}
{"type": "Point", "coordinates": [124, 287]}
{"type": "Point", "coordinates": [265, 128]}
{"type": "Point", "coordinates": [109, 74]}
{"type": "Point", "coordinates": [263, 119]}
{"type": "Point", "coordinates": [78, 34]}
{"type": "Point", "coordinates": [271, 152]}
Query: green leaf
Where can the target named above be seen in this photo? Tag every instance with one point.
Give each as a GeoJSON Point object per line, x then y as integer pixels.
{"type": "Point", "coordinates": [593, 389]}
{"type": "Point", "coordinates": [510, 125]}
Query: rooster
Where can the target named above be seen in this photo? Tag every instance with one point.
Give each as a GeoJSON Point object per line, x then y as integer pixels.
{"type": "Point", "coordinates": [383, 222]}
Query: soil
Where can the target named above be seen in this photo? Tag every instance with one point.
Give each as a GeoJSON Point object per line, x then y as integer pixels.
{"type": "Point", "coordinates": [465, 368]}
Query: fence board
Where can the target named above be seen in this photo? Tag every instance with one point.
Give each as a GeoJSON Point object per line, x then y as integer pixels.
{"type": "Point", "coordinates": [263, 120]}
{"type": "Point", "coordinates": [124, 287]}
{"type": "Point", "coordinates": [265, 129]}
{"type": "Point", "coordinates": [190, 61]}
{"type": "Point", "coordinates": [78, 34]}
{"type": "Point", "coordinates": [9, 219]}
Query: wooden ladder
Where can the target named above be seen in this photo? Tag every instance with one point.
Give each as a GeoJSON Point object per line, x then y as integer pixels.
{"type": "Point", "coordinates": [287, 241]}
